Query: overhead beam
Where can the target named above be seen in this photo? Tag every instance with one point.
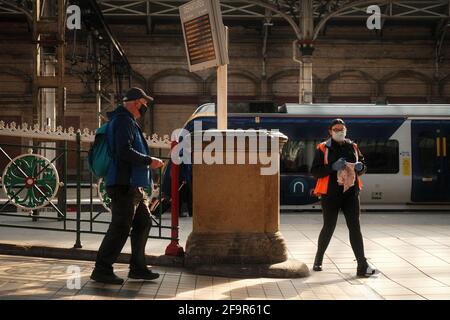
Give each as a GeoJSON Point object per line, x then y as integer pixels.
{"type": "Point", "coordinates": [12, 5]}
{"type": "Point", "coordinates": [243, 9]}
{"type": "Point", "coordinates": [404, 9]}
{"type": "Point", "coordinates": [342, 9]}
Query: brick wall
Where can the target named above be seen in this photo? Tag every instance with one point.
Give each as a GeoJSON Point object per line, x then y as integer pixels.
{"type": "Point", "coordinates": [349, 65]}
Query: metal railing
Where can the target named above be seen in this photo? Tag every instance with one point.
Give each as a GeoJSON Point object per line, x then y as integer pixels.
{"type": "Point", "coordinates": [42, 189]}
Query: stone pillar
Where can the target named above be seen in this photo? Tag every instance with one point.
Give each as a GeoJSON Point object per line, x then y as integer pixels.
{"type": "Point", "coordinates": [306, 74]}
{"type": "Point", "coordinates": [435, 96]}
{"type": "Point", "coordinates": [48, 108]}
{"type": "Point", "coordinates": [236, 210]}
{"type": "Point", "coordinates": [306, 23]}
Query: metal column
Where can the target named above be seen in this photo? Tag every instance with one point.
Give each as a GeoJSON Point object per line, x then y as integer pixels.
{"type": "Point", "coordinates": [306, 50]}
{"type": "Point", "coordinates": [48, 37]}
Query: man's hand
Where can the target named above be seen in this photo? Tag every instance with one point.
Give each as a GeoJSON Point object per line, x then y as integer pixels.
{"type": "Point", "coordinates": [156, 163]}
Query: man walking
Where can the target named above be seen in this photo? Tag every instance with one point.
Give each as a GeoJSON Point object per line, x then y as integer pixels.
{"type": "Point", "coordinates": [128, 175]}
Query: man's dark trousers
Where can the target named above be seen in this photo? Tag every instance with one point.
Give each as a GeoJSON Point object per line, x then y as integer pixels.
{"type": "Point", "coordinates": [129, 207]}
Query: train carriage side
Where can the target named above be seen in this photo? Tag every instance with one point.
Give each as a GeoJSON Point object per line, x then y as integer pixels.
{"type": "Point", "coordinates": [407, 156]}
{"type": "Point", "coordinates": [406, 149]}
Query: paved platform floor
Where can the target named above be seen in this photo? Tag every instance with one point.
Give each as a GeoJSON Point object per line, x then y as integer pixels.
{"type": "Point", "coordinates": [411, 250]}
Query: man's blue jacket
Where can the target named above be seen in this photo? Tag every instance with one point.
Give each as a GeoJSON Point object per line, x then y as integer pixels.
{"type": "Point", "coordinates": [129, 151]}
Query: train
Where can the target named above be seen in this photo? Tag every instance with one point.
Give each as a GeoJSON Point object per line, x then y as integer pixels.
{"type": "Point", "coordinates": [406, 148]}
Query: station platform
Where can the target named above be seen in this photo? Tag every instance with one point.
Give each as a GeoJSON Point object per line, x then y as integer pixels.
{"type": "Point", "coordinates": [411, 250]}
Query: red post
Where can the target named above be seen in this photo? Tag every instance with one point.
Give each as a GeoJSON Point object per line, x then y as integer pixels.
{"type": "Point", "coordinates": [174, 248]}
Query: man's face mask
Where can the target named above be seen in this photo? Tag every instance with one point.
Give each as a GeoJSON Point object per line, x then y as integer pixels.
{"type": "Point", "coordinates": [339, 136]}
{"type": "Point", "coordinates": [143, 110]}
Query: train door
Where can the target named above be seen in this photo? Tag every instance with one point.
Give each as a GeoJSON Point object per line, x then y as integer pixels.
{"type": "Point", "coordinates": [431, 172]}
{"type": "Point", "coordinates": [446, 156]}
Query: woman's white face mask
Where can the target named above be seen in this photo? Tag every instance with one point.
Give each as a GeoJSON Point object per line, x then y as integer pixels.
{"type": "Point", "coordinates": [339, 136]}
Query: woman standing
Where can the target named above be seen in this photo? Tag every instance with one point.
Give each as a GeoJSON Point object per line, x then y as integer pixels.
{"type": "Point", "coordinates": [332, 156]}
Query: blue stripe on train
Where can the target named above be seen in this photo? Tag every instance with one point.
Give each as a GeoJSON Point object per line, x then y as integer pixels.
{"type": "Point", "coordinates": [310, 128]}
{"type": "Point", "coordinates": [296, 189]}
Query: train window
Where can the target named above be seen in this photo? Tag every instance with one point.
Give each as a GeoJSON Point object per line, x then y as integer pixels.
{"type": "Point", "coordinates": [427, 153]}
{"type": "Point", "coordinates": [297, 156]}
{"type": "Point", "coordinates": [381, 156]}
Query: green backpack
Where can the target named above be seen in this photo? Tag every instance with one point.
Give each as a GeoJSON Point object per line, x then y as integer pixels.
{"type": "Point", "coordinates": [99, 156]}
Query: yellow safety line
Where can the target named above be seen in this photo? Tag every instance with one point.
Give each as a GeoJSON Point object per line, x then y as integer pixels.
{"type": "Point", "coordinates": [438, 146]}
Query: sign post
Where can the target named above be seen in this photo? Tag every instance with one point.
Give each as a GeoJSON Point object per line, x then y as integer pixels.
{"type": "Point", "coordinates": [205, 41]}
{"type": "Point", "coordinates": [222, 100]}
{"type": "Point", "coordinates": [222, 93]}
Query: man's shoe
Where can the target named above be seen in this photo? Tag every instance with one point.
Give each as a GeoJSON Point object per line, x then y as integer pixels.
{"type": "Point", "coordinates": [183, 214]}
{"type": "Point", "coordinates": [109, 278]}
{"type": "Point", "coordinates": [143, 274]}
{"type": "Point", "coordinates": [366, 270]}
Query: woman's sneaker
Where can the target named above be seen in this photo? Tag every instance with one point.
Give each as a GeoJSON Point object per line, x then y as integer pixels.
{"type": "Point", "coordinates": [317, 267]}
{"type": "Point", "coordinates": [317, 264]}
{"type": "Point", "coordinates": [366, 270]}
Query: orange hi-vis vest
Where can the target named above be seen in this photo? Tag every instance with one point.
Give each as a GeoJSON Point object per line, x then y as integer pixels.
{"type": "Point", "coordinates": [322, 183]}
